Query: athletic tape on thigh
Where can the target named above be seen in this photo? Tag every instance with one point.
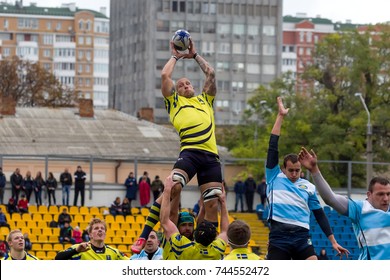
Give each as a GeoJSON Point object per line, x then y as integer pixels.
{"type": "Point", "coordinates": [211, 193]}
{"type": "Point", "coordinates": [178, 177]}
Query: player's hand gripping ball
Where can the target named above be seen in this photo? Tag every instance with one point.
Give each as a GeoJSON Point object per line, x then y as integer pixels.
{"type": "Point", "coordinates": [181, 39]}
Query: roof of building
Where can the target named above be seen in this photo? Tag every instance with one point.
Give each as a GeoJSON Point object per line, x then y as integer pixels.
{"type": "Point", "coordinates": [315, 20]}
{"type": "Point", "coordinates": [6, 8]}
{"type": "Point", "coordinates": [109, 134]}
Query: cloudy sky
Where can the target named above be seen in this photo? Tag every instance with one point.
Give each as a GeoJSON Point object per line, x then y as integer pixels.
{"type": "Point", "coordinates": [358, 11]}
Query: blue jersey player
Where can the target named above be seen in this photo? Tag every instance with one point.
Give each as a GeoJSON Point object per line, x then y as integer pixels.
{"type": "Point", "coordinates": [370, 217]}
{"type": "Point", "coordinates": [291, 201]}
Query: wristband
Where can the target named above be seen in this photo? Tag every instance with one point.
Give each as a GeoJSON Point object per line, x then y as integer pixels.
{"type": "Point", "coordinates": [175, 57]}
{"type": "Point", "coordinates": [195, 55]}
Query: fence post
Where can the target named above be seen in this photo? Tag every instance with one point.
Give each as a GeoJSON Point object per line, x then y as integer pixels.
{"type": "Point", "coordinates": [90, 176]}
{"type": "Point", "coordinates": [349, 185]}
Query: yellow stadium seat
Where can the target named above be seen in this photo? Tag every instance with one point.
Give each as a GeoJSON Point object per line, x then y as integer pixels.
{"type": "Point", "coordinates": [32, 209]}
{"type": "Point", "coordinates": [53, 209]}
{"type": "Point", "coordinates": [117, 240]}
{"type": "Point", "coordinates": [84, 210]}
{"type": "Point", "coordinates": [110, 219]}
{"type": "Point", "coordinates": [42, 209]}
{"type": "Point", "coordinates": [127, 240]}
{"type": "Point", "coordinates": [37, 217]}
{"type": "Point", "coordinates": [36, 231]}
{"type": "Point", "coordinates": [41, 255]}
{"type": "Point", "coordinates": [88, 218]}
{"type": "Point", "coordinates": [47, 231]}
{"type": "Point", "coordinates": [94, 211]}
{"type": "Point", "coordinates": [42, 224]}
{"type": "Point", "coordinates": [61, 208]}
{"type": "Point", "coordinates": [144, 212]}
{"type": "Point", "coordinates": [47, 247]}
{"type": "Point", "coordinates": [122, 248]}
{"type": "Point", "coordinates": [33, 238]}
{"type": "Point", "coordinates": [26, 217]}
{"type": "Point", "coordinates": [140, 219]}
{"type": "Point", "coordinates": [11, 224]}
{"type": "Point", "coordinates": [73, 210]}
{"type": "Point", "coordinates": [31, 224]}
{"type": "Point", "coordinates": [83, 225]}
{"type": "Point", "coordinates": [78, 219]}
{"type": "Point", "coordinates": [48, 217]}
{"type": "Point", "coordinates": [135, 211]}
{"type": "Point", "coordinates": [58, 247]}
{"type": "Point", "coordinates": [103, 210]}
{"type": "Point", "coordinates": [119, 219]}
{"type": "Point", "coordinates": [36, 246]}
{"type": "Point", "coordinates": [131, 233]}
{"type": "Point", "coordinates": [115, 226]}
{"type": "Point", "coordinates": [125, 226]}
{"type": "Point", "coordinates": [110, 233]}
{"type": "Point", "coordinates": [56, 231]}
{"type": "Point", "coordinates": [4, 208]}
{"type": "Point", "coordinates": [20, 224]}
{"type": "Point", "coordinates": [15, 217]}
{"type": "Point", "coordinates": [130, 219]}
{"type": "Point", "coordinates": [120, 233]}
{"type": "Point", "coordinates": [42, 238]}
{"type": "Point", "coordinates": [53, 239]}
{"type": "Point", "coordinates": [4, 231]}
{"type": "Point", "coordinates": [50, 255]}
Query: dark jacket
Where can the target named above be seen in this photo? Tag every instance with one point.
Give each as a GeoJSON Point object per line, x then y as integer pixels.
{"type": "Point", "coordinates": [250, 185]}
{"type": "Point", "coordinates": [79, 179]}
{"type": "Point", "coordinates": [131, 188]}
{"type": "Point", "coordinates": [2, 180]}
{"type": "Point", "coordinates": [239, 187]}
{"type": "Point", "coordinates": [66, 179]}
{"type": "Point", "coordinates": [16, 179]}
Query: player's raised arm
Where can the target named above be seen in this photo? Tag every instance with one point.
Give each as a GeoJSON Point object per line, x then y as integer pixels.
{"type": "Point", "coordinates": [167, 85]}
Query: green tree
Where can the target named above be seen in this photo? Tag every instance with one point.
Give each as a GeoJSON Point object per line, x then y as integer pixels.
{"type": "Point", "coordinates": [30, 85]}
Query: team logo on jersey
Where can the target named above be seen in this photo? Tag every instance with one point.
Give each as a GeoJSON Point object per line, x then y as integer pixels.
{"type": "Point", "coordinates": [201, 101]}
{"type": "Point", "coordinates": [108, 258]}
{"type": "Point", "coordinates": [204, 251]}
{"type": "Point", "coordinates": [303, 187]}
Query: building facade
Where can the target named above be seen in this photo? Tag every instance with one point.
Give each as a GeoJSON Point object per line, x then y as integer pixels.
{"type": "Point", "coordinates": [72, 43]}
{"type": "Point", "coordinates": [241, 39]}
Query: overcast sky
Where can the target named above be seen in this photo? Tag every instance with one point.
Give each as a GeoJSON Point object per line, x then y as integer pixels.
{"type": "Point", "coordinates": [358, 11]}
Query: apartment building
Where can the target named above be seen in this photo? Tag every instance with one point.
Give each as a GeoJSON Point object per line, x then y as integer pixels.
{"type": "Point", "coordinates": [241, 39]}
{"type": "Point", "coordinates": [73, 43]}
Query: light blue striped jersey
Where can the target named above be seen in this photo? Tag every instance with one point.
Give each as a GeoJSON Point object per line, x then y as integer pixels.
{"type": "Point", "coordinates": [375, 225]}
{"type": "Point", "coordinates": [158, 255]}
{"type": "Point", "coordinates": [290, 203]}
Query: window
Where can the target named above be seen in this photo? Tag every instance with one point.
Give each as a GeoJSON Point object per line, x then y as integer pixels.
{"type": "Point", "coordinates": [208, 47]}
{"type": "Point", "coordinates": [238, 48]}
{"type": "Point", "coordinates": [175, 25]}
{"type": "Point", "coordinates": [5, 23]}
{"type": "Point", "coordinates": [6, 52]}
{"type": "Point", "coordinates": [253, 68]}
{"type": "Point", "coordinates": [223, 66]}
{"type": "Point", "coordinates": [208, 27]}
{"type": "Point", "coordinates": [59, 26]}
{"type": "Point", "coordinates": [81, 24]}
{"type": "Point", "coordinates": [88, 40]}
{"type": "Point", "coordinates": [238, 29]}
{"type": "Point", "coordinates": [309, 37]}
{"type": "Point", "coordinates": [301, 37]}
{"type": "Point", "coordinates": [269, 69]}
{"type": "Point", "coordinates": [48, 25]}
{"type": "Point", "coordinates": [46, 53]}
{"type": "Point", "coordinates": [162, 25]}
{"type": "Point", "coordinates": [269, 30]}
{"type": "Point", "coordinates": [28, 23]}
{"type": "Point", "coordinates": [224, 47]}
{"type": "Point", "coordinates": [88, 25]}
{"type": "Point", "coordinates": [253, 49]}
{"type": "Point", "coordinates": [224, 28]}
{"type": "Point", "coordinates": [269, 49]}
{"type": "Point", "coordinates": [80, 69]}
{"type": "Point", "coordinates": [253, 30]}
{"type": "Point", "coordinates": [223, 85]}
{"type": "Point", "coordinates": [193, 26]}
{"type": "Point", "coordinates": [237, 86]}
{"type": "Point", "coordinates": [48, 39]}
{"type": "Point", "coordinates": [80, 55]}
{"type": "Point", "coordinates": [81, 40]}
{"type": "Point", "coordinates": [238, 66]}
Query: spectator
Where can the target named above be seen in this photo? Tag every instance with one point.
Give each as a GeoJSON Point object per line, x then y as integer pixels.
{"type": "Point", "coordinates": [23, 204]}
{"type": "Point", "coordinates": [126, 209]}
{"type": "Point", "coordinates": [146, 174]}
{"type": "Point", "coordinates": [28, 185]}
{"type": "Point", "coordinates": [66, 234]}
{"type": "Point", "coordinates": [63, 218]}
{"type": "Point", "coordinates": [322, 255]}
{"type": "Point", "coordinates": [3, 248]}
{"type": "Point", "coordinates": [66, 182]}
{"type": "Point", "coordinates": [3, 181]}
{"type": "Point", "coordinates": [239, 190]}
{"type": "Point", "coordinates": [27, 242]}
{"type": "Point", "coordinates": [116, 207]}
{"type": "Point", "coordinates": [85, 235]}
{"type": "Point", "coordinates": [262, 191]}
{"type": "Point", "coordinates": [250, 188]}
{"type": "Point", "coordinates": [152, 250]}
{"type": "Point", "coordinates": [16, 184]}
{"type": "Point", "coordinates": [3, 220]}
{"type": "Point", "coordinates": [38, 186]}
{"type": "Point", "coordinates": [77, 235]}
{"type": "Point", "coordinates": [51, 185]}
{"type": "Point", "coordinates": [17, 250]}
{"type": "Point", "coordinates": [131, 187]}
{"type": "Point", "coordinates": [144, 192]}
{"type": "Point", "coordinates": [196, 208]}
{"type": "Point", "coordinates": [79, 185]}
{"type": "Point", "coordinates": [12, 207]}
{"type": "Point", "coordinates": [157, 187]}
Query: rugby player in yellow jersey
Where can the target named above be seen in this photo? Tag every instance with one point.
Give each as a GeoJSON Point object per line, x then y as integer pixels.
{"type": "Point", "coordinates": [206, 245]}
{"type": "Point", "coordinates": [193, 118]}
{"type": "Point", "coordinates": [239, 234]}
{"type": "Point", "coordinates": [16, 244]}
{"type": "Point", "coordinates": [95, 249]}
{"type": "Point", "coordinates": [185, 226]}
